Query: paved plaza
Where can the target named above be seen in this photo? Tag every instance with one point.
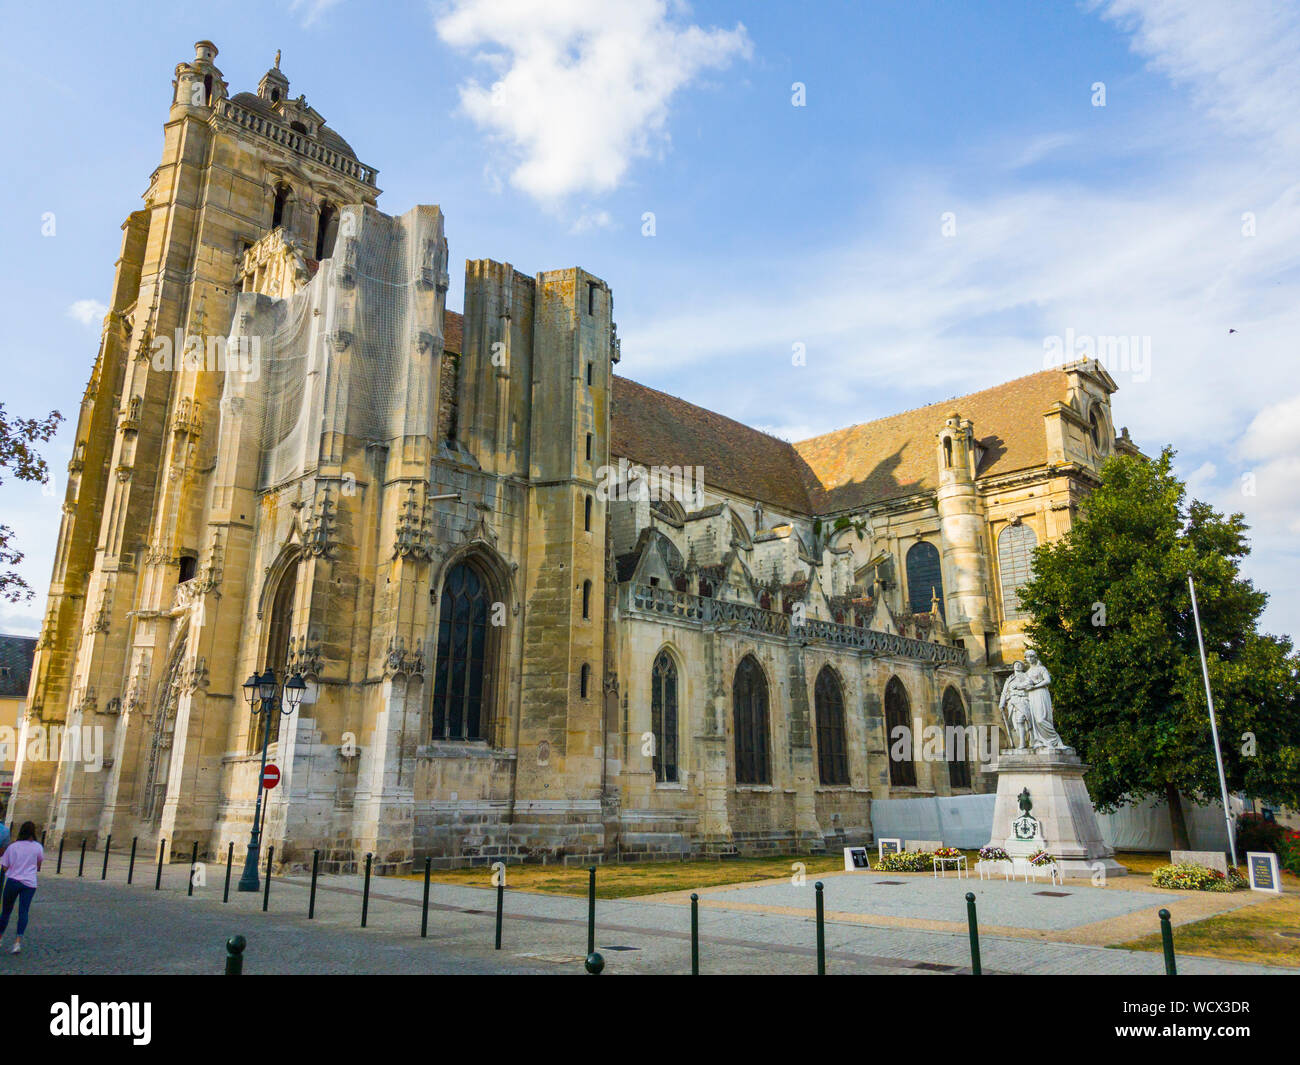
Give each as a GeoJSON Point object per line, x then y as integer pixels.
{"type": "Point", "coordinates": [91, 926]}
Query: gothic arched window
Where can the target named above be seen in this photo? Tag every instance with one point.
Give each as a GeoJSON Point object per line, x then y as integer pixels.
{"type": "Point", "coordinates": [749, 700]}
{"type": "Point", "coordinates": [898, 714]}
{"type": "Point", "coordinates": [461, 679]}
{"type": "Point", "coordinates": [326, 230]}
{"type": "Point", "coordinates": [955, 739]}
{"type": "Point", "coordinates": [663, 717]}
{"type": "Point", "coordinates": [278, 631]}
{"type": "Point", "coordinates": [584, 680]}
{"type": "Point", "coordinates": [586, 599]}
{"type": "Point", "coordinates": [1016, 545]}
{"type": "Point", "coordinates": [924, 577]}
{"type": "Point", "coordinates": [282, 194]}
{"type": "Point", "coordinates": [832, 754]}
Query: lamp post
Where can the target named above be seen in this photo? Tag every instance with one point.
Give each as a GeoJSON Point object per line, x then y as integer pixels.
{"type": "Point", "coordinates": [263, 697]}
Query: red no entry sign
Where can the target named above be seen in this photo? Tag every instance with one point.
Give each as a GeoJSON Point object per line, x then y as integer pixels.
{"type": "Point", "coordinates": [270, 776]}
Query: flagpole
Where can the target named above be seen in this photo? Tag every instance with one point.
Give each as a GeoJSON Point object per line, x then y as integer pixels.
{"type": "Point", "coordinates": [1214, 728]}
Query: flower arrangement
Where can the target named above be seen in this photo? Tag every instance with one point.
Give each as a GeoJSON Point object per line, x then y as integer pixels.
{"type": "Point", "coordinates": [1040, 859]}
{"type": "Point", "coordinates": [947, 852]}
{"type": "Point", "coordinates": [994, 854]}
{"type": "Point", "coordinates": [906, 862]}
{"type": "Point", "coordinates": [1189, 877]}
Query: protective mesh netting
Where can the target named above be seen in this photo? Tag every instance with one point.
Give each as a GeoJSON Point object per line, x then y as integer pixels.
{"type": "Point", "coordinates": [306, 360]}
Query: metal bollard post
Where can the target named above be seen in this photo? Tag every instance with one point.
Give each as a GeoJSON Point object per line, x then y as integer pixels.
{"type": "Point", "coordinates": [365, 891]}
{"type": "Point", "coordinates": [81, 864]}
{"type": "Point", "coordinates": [695, 934]}
{"type": "Point", "coordinates": [130, 869]}
{"type": "Point", "coordinates": [230, 860]}
{"type": "Point", "coordinates": [1167, 938]}
{"type": "Point", "coordinates": [591, 915]}
{"type": "Point", "coordinates": [821, 930]}
{"type": "Point", "coordinates": [974, 934]}
{"type": "Point", "coordinates": [235, 955]}
{"type": "Point", "coordinates": [42, 837]}
{"type": "Point", "coordinates": [59, 868]}
{"type": "Point", "coordinates": [501, 901]}
{"type": "Point", "coordinates": [315, 868]}
{"type": "Point", "coordinates": [108, 844]}
{"type": "Point", "coordinates": [157, 880]}
{"type": "Point", "coordinates": [424, 913]}
{"type": "Point", "coordinates": [266, 891]}
{"type": "Point", "coordinates": [194, 860]}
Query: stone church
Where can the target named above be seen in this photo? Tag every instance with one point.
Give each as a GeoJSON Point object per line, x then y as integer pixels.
{"type": "Point", "coordinates": [544, 613]}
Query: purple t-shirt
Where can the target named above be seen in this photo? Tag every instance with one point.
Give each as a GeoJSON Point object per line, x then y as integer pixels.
{"type": "Point", "coordinates": [21, 859]}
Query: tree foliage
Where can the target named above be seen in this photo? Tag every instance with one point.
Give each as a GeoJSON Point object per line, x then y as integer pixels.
{"type": "Point", "coordinates": [18, 455]}
{"type": "Point", "coordinates": [1111, 616]}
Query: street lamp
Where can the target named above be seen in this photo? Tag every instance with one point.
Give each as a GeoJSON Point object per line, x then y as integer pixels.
{"type": "Point", "coordinates": [260, 692]}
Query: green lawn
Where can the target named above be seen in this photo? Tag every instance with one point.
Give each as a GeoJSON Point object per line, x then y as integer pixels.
{"type": "Point", "coordinates": [641, 878]}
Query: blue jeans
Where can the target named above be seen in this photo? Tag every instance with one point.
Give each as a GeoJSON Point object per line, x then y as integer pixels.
{"type": "Point", "coordinates": [21, 892]}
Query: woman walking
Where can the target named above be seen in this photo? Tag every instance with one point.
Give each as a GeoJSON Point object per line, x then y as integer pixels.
{"type": "Point", "coordinates": [21, 860]}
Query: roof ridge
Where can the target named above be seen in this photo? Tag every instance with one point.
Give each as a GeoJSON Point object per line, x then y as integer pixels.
{"type": "Point", "coordinates": [925, 406]}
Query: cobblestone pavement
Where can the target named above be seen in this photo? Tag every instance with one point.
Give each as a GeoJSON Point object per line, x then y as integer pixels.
{"type": "Point", "coordinates": [92, 926]}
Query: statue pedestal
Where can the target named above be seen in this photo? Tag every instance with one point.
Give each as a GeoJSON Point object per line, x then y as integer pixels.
{"type": "Point", "coordinates": [1066, 823]}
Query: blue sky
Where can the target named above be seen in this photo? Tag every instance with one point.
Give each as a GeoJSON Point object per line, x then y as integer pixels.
{"type": "Point", "coordinates": [548, 131]}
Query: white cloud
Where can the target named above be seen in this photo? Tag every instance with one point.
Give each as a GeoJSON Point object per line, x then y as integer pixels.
{"type": "Point", "coordinates": [1238, 59]}
{"type": "Point", "coordinates": [582, 86]}
{"type": "Point", "coordinates": [310, 11]}
{"type": "Point", "coordinates": [590, 221]}
{"type": "Point", "coordinates": [88, 312]}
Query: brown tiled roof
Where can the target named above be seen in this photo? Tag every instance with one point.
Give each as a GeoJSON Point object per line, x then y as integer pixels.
{"type": "Point", "coordinates": [895, 456]}
{"type": "Point", "coordinates": [453, 332]}
{"type": "Point", "coordinates": [656, 429]}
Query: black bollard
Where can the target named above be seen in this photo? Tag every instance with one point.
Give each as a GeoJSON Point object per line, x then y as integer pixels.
{"type": "Point", "coordinates": [424, 915]}
{"type": "Point", "coordinates": [235, 955]}
{"type": "Point", "coordinates": [501, 903]}
{"type": "Point", "coordinates": [194, 861]}
{"type": "Point", "coordinates": [1167, 940]}
{"type": "Point", "coordinates": [42, 837]}
{"type": "Point", "coordinates": [230, 861]}
{"type": "Point", "coordinates": [157, 880]}
{"type": "Point", "coordinates": [130, 869]}
{"type": "Point", "coordinates": [108, 843]}
{"type": "Point", "coordinates": [266, 891]}
{"type": "Point", "coordinates": [695, 934]}
{"type": "Point", "coordinates": [59, 867]}
{"type": "Point", "coordinates": [591, 919]}
{"type": "Point", "coordinates": [365, 891]}
{"type": "Point", "coordinates": [973, 925]}
{"type": "Point", "coordinates": [821, 930]}
{"type": "Point", "coordinates": [594, 964]}
{"type": "Point", "coordinates": [81, 864]}
{"type": "Point", "coordinates": [315, 868]}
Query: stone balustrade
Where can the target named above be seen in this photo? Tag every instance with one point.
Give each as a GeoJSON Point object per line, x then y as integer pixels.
{"type": "Point", "coordinates": [298, 142]}
{"type": "Point", "coordinates": [685, 607]}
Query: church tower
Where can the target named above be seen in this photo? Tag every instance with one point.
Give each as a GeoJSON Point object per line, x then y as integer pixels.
{"type": "Point", "coordinates": [130, 643]}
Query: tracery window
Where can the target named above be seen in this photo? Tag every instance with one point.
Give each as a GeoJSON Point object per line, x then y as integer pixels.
{"type": "Point", "coordinates": [663, 717]}
{"type": "Point", "coordinates": [1016, 545]}
{"type": "Point", "coordinates": [924, 577]}
{"type": "Point", "coordinates": [832, 753]}
{"type": "Point", "coordinates": [749, 701]}
{"type": "Point", "coordinates": [461, 680]}
{"type": "Point", "coordinates": [898, 714]}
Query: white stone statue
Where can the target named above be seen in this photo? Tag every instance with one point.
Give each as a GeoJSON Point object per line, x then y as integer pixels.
{"type": "Point", "coordinates": [1043, 734]}
{"type": "Point", "coordinates": [1015, 704]}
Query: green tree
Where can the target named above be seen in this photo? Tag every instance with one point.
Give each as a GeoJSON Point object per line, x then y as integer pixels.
{"type": "Point", "coordinates": [1111, 617]}
{"type": "Point", "coordinates": [18, 437]}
